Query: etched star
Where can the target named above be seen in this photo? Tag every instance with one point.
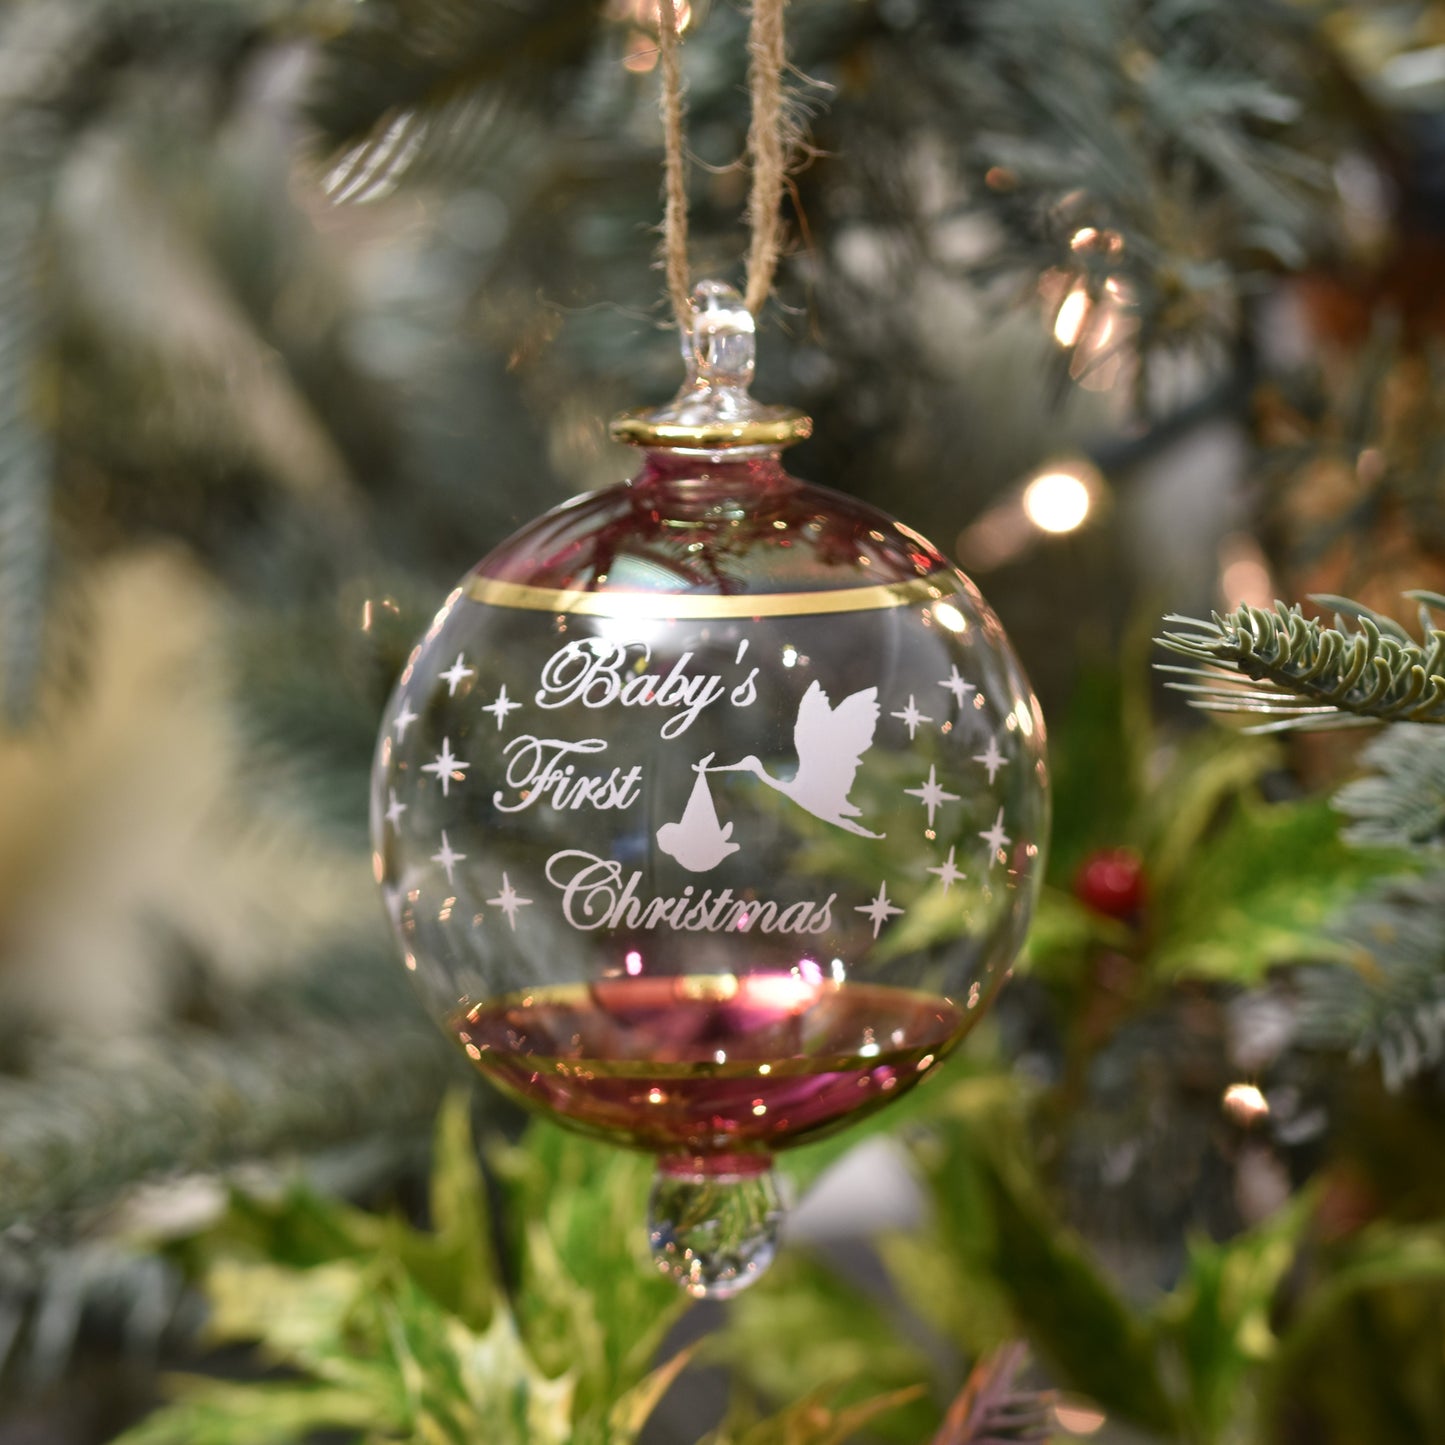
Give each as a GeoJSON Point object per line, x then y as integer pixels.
{"type": "Point", "coordinates": [394, 809]}
{"type": "Point", "coordinates": [501, 707]}
{"type": "Point", "coordinates": [957, 686]}
{"type": "Point", "coordinates": [880, 910]}
{"type": "Point", "coordinates": [457, 674]}
{"type": "Point", "coordinates": [911, 716]}
{"type": "Point", "coordinates": [509, 901]}
{"type": "Point", "coordinates": [931, 794]}
{"type": "Point", "coordinates": [448, 858]}
{"type": "Point", "coordinates": [996, 839]}
{"type": "Point", "coordinates": [947, 872]}
{"type": "Point", "coordinates": [448, 769]}
{"type": "Point", "coordinates": [991, 758]}
{"type": "Point", "coordinates": [404, 719]}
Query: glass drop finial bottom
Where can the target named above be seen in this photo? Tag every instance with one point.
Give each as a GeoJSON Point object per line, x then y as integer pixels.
{"type": "Point", "coordinates": [713, 1225]}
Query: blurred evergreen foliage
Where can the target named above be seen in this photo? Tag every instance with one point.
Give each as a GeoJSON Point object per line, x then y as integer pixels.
{"type": "Point", "coordinates": [324, 298]}
{"type": "Point", "coordinates": [422, 1336]}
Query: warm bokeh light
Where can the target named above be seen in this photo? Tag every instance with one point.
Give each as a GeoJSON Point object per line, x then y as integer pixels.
{"type": "Point", "coordinates": [642, 53]}
{"type": "Point", "coordinates": [1244, 576]}
{"type": "Point", "coordinates": [1094, 321]}
{"type": "Point", "coordinates": [1072, 314]}
{"type": "Point", "coordinates": [1245, 1103]}
{"type": "Point", "coordinates": [645, 16]}
{"type": "Point", "coordinates": [1057, 501]}
{"type": "Point", "coordinates": [1090, 238]}
{"type": "Point", "coordinates": [950, 617]}
{"type": "Point", "coordinates": [1078, 1418]}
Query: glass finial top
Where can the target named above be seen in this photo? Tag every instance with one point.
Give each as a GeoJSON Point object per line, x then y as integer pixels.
{"type": "Point", "coordinates": [714, 410]}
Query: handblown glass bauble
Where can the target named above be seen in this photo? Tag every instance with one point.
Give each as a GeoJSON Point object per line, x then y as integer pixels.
{"type": "Point", "coordinates": [710, 809]}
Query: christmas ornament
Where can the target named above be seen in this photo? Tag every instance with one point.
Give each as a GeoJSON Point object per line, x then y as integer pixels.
{"type": "Point", "coordinates": [710, 809]}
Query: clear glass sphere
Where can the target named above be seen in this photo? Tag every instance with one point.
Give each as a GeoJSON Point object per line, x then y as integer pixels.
{"type": "Point", "coordinates": [710, 814]}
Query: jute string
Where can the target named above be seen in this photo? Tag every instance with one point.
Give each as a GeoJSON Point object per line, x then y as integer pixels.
{"type": "Point", "coordinates": [767, 156]}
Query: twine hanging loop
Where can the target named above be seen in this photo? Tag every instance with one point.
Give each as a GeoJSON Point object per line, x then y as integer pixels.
{"type": "Point", "coordinates": [767, 155]}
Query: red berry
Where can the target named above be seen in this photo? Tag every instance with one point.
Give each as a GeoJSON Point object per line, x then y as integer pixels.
{"type": "Point", "coordinates": [1111, 882]}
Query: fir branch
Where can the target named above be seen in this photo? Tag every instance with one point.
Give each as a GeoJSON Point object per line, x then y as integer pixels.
{"type": "Point", "coordinates": [77, 1132]}
{"type": "Point", "coordinates": [26, 451]}
{"type": "Point", "coordinates": [1313, 676]}
{"type": "Point", "coordinates": [1400, 803]}
{"type": "Point", "coordinates": [39, 46]}
{"type": "Point", "coordinates": [428, 83]}
{"type": "Point", "coordinates": [50, 1299]}
{"type": "Point", "coordinates": [1391, 1003]}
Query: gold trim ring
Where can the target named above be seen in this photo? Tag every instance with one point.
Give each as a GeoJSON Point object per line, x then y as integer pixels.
{"type": "Point", "coordinates": [775, 427]}
{"type": "Point", "coordinates": [665, 606]}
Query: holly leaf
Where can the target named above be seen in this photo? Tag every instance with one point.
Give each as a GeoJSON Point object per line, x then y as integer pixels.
{"type": "Point", "coordinates": [455, 1262]}
{"type": "Point", "coordinates": [590, 1300]}
{"type": "Point", "coordinates": [220, 1412]}
{"type": "Point", "coordinates": [992, 1218]}
{"type": "Point", "coordinates": [1062, 934]}
{"type": "Point", "coordinates": [1217, 1319]}
{"type": "Point", "coordinates": [635, 1406]}
{"type": "Point", "coordinates": [805, 1328]}
{"type": "Point", "coordinates": [1363, 1346]}
{"type": "Point", "coordinates": [810, 1421]}
{"type": "Point", "coordinates": [1068, 1310]}
{"type": "Point", "coordinates": [1237, 911]}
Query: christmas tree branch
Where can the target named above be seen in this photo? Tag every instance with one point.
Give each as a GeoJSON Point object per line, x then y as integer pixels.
{"type": "Point", "coordinates": [1391, 1002]}
{"type": "Point", "coordinates": [75, 1133]}
{"type": "Point", "coordinates": [1312, 676]}
{"type": "Point", "coordinates": [1400, 802]}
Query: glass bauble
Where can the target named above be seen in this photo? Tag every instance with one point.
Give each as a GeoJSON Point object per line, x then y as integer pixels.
{"type": "Point", "coordinates": [710, 810]}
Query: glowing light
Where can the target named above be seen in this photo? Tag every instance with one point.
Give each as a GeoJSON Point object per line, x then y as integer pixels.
{"type": "Point", "coordinates": [1057, 502]}
{"type": "Point", "coordinates": [645, 16]}
{"type": "Point", "coordinates": [810, 971]}
{"type": "Point", "coordinates": [1245, 1103]}
{"type": "Point", "coordinates": [759, 1107]}
{"type": "Point", "coordinates": [1090, 238]}
{"type": "Point", "coordinates": [838, 971]}
{"type": "Point", "coordinates": [1072, 316]}
{"type": "Point", "coordinates": [1078, 1418]}
{"type": "Point", "coordinates": [633, 962]}
{"type": "Point", "coordinates": [656, 1096]}
{"type": "Point", "coordinates": [1246, 581]}
{"type": "Point", "coordinates": [783, 992]}
{"type": "Point", "coordinates": [790, 656]}
{"type": "Point", "coordinates": [648, 13]}
{"type": "Point", "coordinates": [642, 53]}
{"type": "Point", "coordinates": [1244, 573]}
{"type": "Point", "coordinates": [950, 617]}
